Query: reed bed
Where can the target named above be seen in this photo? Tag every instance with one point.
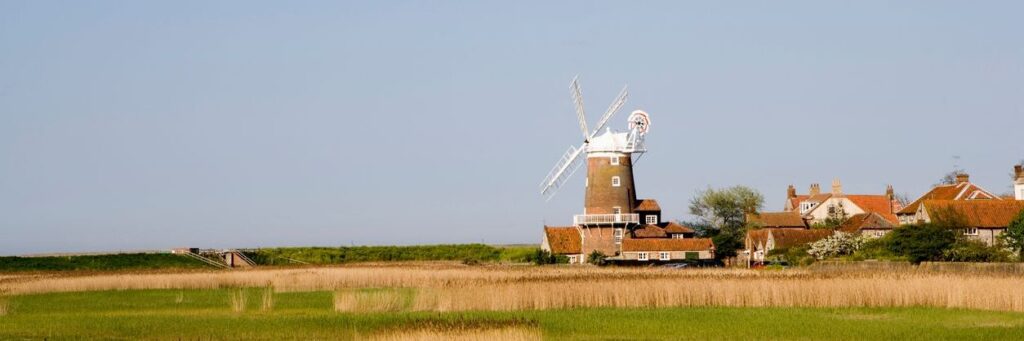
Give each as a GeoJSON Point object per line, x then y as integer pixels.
{"type": "Point", "coordinates": [239, 300]}
{"type": "Point", "coordinates": [448, 287]}
{"type": "Point", "coordinates": [943, 291]}
{"type": "Point", "coordinates": [5, 303]}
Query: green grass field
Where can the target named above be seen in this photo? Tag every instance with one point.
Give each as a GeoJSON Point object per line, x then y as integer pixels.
{"type": "Point", "coordinates": [208, 314]}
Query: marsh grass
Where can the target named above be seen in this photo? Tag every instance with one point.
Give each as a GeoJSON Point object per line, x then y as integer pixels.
{"type": "Point", "coordinates": [373, 300]}
{"type": "Point", "coordinates": [180, 297]}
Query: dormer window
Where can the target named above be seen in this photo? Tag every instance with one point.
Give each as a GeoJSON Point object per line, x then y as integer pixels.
{"type": "Point", "coordinates": [651, 219]}
{"type": "Point", "coordinates": [615, 160]}
{"type": "Point", "coordinates": [616, 182]}
{"type": "Point", "coordinates": [805, 206]}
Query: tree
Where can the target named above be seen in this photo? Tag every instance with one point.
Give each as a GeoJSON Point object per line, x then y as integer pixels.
{"type": "Point", "coordinates": [723, 213]}
{"type": "Point", "coordinates": [1014, 235]}
{"type": "Point", "coordinates": [921, 243]}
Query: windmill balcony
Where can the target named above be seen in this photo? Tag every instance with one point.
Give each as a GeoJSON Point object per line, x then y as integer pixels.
{"type": "Point", "coordinates": [606, 219]}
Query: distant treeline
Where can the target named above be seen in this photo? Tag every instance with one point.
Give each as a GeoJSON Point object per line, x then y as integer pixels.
{"type": "Point", "coordinates": [336, 255]}
{"type": "Point", "coordinates": [127, 261]}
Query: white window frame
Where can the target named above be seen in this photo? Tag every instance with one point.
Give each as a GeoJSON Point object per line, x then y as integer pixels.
{"type": "Point", "coordinates": [618, 236]}
{"type": "Point", "coordinates": [614, 160]}
{"type": "Point", "coordinates": [616, 210]}
{"type": "Point", "coordinates": [648, 219]}
{"type": "Point", "coordinates": [586, 182]}
{"type": "Point", "coordinates": [665, 255]}
{"type": "Point", "coordinates": [572, 259]}
{"type": "Point", "coordinates": [973, 231]}
{"type": "Point", "coordinates": [642, 256]}
{"type": "Point", "coordinates": [616, 182]}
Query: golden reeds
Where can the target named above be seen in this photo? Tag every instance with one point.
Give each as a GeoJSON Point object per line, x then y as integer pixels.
{"type": "Point", "coordinates": [448, 287]}
{"type": "Point", "coordinates": [372, 300]}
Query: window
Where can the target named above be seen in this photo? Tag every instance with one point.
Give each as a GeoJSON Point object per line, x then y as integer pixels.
{"type": "Point", "coordinates": [615, 181]}
{"type": "Point", "coordinates": [651, 219]}
{"type": "Point", "coordinates": [664, 256]}
{"type": "Point", "coordinates": [971, 232]}
{"type": "Point", "coordinates": [616, 210]}
{"type": "Point", "coordinates": [615, 160]}
{"type": "Point", "coordinates": [572, 259]}
{"type": "Point", "coordinates": [641, 256]}
{"type": "Point", "coordinates": [618, 236]}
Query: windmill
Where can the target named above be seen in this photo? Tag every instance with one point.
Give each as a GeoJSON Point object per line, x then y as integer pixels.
{"type": "Point", "coordinates": [609, 154]}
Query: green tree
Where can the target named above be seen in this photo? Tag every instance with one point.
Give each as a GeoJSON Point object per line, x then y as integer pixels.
{"type": "Point", "coordinates": [1014, 235]}
{"type": "Point", "coordinates": [920, 243]}
{"type": "Point", "coordinates": [723, 212]}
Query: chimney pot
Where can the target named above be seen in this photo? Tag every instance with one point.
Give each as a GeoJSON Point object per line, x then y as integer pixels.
{"type": "Point", "coordinates": [837, 187]}
{"type": "Point", "coordinates": [815, 190]}
{"type": "Point", "coordinates": [791, 192]}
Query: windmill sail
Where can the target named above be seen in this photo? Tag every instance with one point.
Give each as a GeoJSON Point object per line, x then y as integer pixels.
{"type": "Point", "coordinates": [563, 170]}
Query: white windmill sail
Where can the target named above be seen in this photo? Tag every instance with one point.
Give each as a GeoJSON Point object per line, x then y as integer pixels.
{"type": "Point", "coordinates": [571, 160]}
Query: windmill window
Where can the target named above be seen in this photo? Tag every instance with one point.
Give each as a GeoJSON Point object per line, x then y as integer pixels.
{"type": "Point", "coordinates": [615, 160]}
{"type": "Point", "coordinates": [641, 256]}
{"type": "Point", "coordinates": [616, 182]}
{"type": "Point", "coordinates": [616, 210]}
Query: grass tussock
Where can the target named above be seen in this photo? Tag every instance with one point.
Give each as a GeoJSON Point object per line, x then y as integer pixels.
{"type": "Point", "coordinates": [239, 300]}
{"type": "Point", "coordinates": [5, 303]}
{"type": "Point", "coordinates": [267, 299]}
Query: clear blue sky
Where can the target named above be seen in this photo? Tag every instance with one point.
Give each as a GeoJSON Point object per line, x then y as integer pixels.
{"type": "Point", "coordinates": [147, 125]}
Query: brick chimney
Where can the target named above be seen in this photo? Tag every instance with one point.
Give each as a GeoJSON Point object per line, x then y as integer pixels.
{"type": "Point", "coordinates": [791, 192]}
{"type": "Point", "coordinates": [962, 178]}
{"type": "Point", "coordinates": [891, 196]}
{"type": "Point", "coordinates": [1018, 172]}
{"type": "Point", "coordinates": [815, 190]}
{"type": "Point", "coordinates": [837, 187]}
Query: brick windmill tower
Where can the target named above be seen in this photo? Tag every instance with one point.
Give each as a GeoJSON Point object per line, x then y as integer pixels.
{"type": "Point", "coordinates": [610, 200]}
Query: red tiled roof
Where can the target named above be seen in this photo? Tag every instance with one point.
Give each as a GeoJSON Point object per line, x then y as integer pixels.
{"type": "Point", "coordinates": [563, 240]}
{"type": "Point", "coordinates": [666, 244]}
{"type": "Point", "coordinates": [647, 205]}
{"type": "Point", "coordinates": [674, 228]}
{"type": "Point", "coordinates": [756, 237]}
{"type": "Point", "coordinates": [961, 191]}
{"type": "Point", "coordinates": [777, 219]}
{"type": "Point", "coordinates": [649, 231]}
{"type": "Point", "coordinates": [870, 220]}
{"type": "Point", "coordinates": [785, 238]}
{"type": "Point", "coordinates": [794, 202]}
{"type": "Point", "coordinates": [981, 213]}
{"type": "Point", "coordinates": [879, 204]}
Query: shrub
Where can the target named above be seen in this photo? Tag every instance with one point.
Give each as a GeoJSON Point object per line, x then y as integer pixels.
{"type": "Point", "coordinates": [596, 258]}
{"type": "Point", "coordinates": [877, 248]}
{"type": "Point", "coordinates": [1014, 235]}
{"type": "Point", "coordinates": [838, 244]}
{"type": "Point", "coordinates": [968, 250]}
{"type": "Point", "coordinates": [921, 242]}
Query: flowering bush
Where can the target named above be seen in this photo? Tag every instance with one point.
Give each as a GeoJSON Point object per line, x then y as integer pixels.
{"type": "Point", "coordinates": [838, 244]}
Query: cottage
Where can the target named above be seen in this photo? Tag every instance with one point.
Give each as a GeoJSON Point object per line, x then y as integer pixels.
{"type": "Point", "coordinates": [985, 220]}
{"type": "Point", "coordinates": [667, 250]}
{"type": "Point", "coordinates": [564, 241]}
{"type": "Point", "coordinates": [816, 207]}
{"type": "Point", "coordinates": [961, 190]}
{"type": "Point", "coordinates": [781, 220]}
{"type": "Point", "coordinates": [871, 224]}
{"type": "Point", "coordinates": [759, 243]}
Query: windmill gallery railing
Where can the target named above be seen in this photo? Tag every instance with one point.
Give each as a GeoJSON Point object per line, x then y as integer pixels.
{"type": "Point", "coordinates": [597, 219]}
